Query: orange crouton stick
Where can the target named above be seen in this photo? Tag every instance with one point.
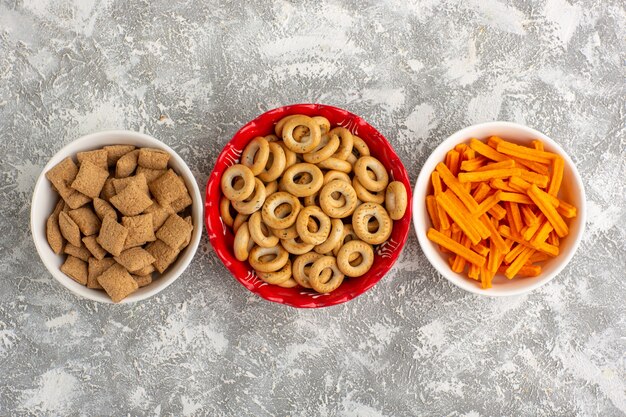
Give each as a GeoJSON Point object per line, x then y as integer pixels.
{"type": "Point", "coordinates": [513, 253]}
{"type": "Point", "coordinates": [529, 231]}
{"type": "Point", "coordinates": [444, 222]}
{"type": "Point", "coordinates": [529, 216]}
{"type": "Point", "coordinates": [525, 271]}
{"type": "Point", "coordinates": [516, 198]}
{"type": "Point", "coordinates": [537, 167]}
{"type": "Point", "coordinates": [542, 234]}
{"type": "Point", "coordinates": [522, 186]}
{"type": "Point", "coordinates": [453, 161]}
{"type": "Point", "coordinates": [478, 176]}
{"type": "Point", "coordinates": [496, 239]}
{"type": "Point", "coordinates": [493, 260]}
{"type": "Point", "coordinates": [455, 247]}
{"type": "Point", "coordinates": [518, 263]}
{"type": "Point", "coordinates": [456, 187]}
{"type": "Point", "coordinates": [500, 184]}
{"type": "Point", "coordinates": [548, 249]}
{"type": "Point", "coordinates": [497, 212]}
{"type": "Point", "coordinates": [487, 151]}
{"type": "Point", "coordinates": [558, 165]}
{"type": "Point", "coordinates": [535, 178]}
{"type": "Point", "coordinates": [553, 239]}
{"type": "Point", "coordinates": [485, 277]}
{"type": "Point", "coordinates": [506, 164]}
{"type": "Point", "coordinates": [481, 192]}
{"type": "Point", "coordinates": [473, 164]}
{"type": "Point", "coordinates": [431, 208]}
{"type": "Point", "coordinates": [480, 249]}
{"type": "Point", "coordinates": [458, 265]}
{"type": "Point", "coordinates": [488, 203]}
{"type": "Point", "coordinates": [566, 210]}
{"type": "Point", "coordinates": [515, 215]}
{"type": "Point", "coordinates": [474, 272]}
{"type": "Point", "coordinates": [543, 202]}
{"type": "Point", "coordinates": [538, 257]}
{"type": "Point", "coordinates": [523, 152]}
{"type": "Point", "coordinates": [460, 217]}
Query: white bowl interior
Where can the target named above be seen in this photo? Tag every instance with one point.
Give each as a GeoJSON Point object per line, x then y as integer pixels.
{"type": "Point", "coordinates": [572, 191]}
{"type": "Point", "coordinates": [45, 198]}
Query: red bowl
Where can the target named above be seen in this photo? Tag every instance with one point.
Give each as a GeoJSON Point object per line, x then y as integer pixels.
{"type": "Point", "coordinates": [221, 237]}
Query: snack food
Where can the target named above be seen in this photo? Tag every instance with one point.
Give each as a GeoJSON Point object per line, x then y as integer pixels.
{"type": "Point", "coordinates": [122, 215]}
{"type": "Point", "coordinates": [294, 208]}
{"type": "Point", "coordinates": [494, 206]}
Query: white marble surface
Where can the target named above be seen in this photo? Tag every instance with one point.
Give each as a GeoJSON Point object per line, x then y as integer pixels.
{"type": "Point", "coordinates": [191, 73]}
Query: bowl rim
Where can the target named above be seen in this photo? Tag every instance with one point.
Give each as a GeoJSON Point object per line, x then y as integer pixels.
{"type": "Point", "coordinates": [419, 194]}
{"type": "Point", "coordinates": [319, 302]}
{"type": "Point", "coordinates": [184, 258]}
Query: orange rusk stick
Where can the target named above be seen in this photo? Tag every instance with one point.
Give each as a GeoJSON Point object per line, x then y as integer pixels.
{"type": "Point", "coordinates": [467, 154]}
{"type": "Point", "coordinates": [566, 210]}
{"type": "Point", "coordinates": [516, 198]}
{"type": "Point", "coordinates": [558, 165]}
{"type": "Point", "coordinates": [458, 265]}
{"type": "Point", "coordinates": [529, 216]}
{"type": "Point", "coordinates": [523, 152]}
{"type": "Point", "coordinates": [487, 151]}
{"type": "Point", "coordinates": [506, 164]}
{"type": "Point", "coordinates": [485, 277]}
{"type": "Point", "coordinates": [453, 160]}
{"type": "Point", "coordinates": [542, 234]}
{"type": "Point", "coordinates": [480, 249]}
{"type": "Point", "coordinates": [535, 178]}
{"type": "Point", "coordinates": [496, 239]}
{"type": "Point", "coordinates": [474, 272]}
{"type": "Point", "coordinates": [444, 222]}
{"type": "Point", "coordinates": [460, 217]}
{"type": "Point", "coordinates": [467, 254]}
{"type": "Point", "coordinates": [518, 263]}
{"type": "Point", "coordinates": [516, 215]}
{"type": "Point", "coordinates": [447, 233]}
{"type": "Point", "coordinates": [542, 201]}
{"type": "Point", "coordinates": [488, 203]}
{"type": "Point", "coordinates": [469, 219]}
{"type": "Point", "coordinates": [530, 231]}
{"type": "Point", "coordinates": [537, 144]}
{"type": "Point", "coordinates": [493, 261]}
{"type": "Point", "coordinates": [538, 257]}
{"type": "Point", "coordinates": [473, 164]}
{"type": "Point", "coordinates": [500, 184]}
{"type": "Point", "coordinates": [460, 148]}
{"type": "Point", "coordinates": [553, 239]}
{"type": "Point", "coordinates": [477, 176]}
{"type": "Point", "coordinates": [513, 253]}
{"type": "Point", "coordinates": [498, 212]}
{"type": "Point", "coordinates": [537, 167]}
{"type": "Point", "coordinates": [481, 192]}
{"type": "Point", "coordinates": [431, 208]}
{"type": "Point", "coordinates": [525, 271]}
{"type": "Point", "coordinates": [548, 249]}
{"type": "Point", "coordinates": [456, 187]}
{"type": "Point", "coordinates": [522, 186]}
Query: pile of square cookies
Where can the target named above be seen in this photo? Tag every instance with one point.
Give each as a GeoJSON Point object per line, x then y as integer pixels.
{"type": "Point", "coordinates": [123, 214]}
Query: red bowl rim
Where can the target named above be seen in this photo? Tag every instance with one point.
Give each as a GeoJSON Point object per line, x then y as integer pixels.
{"type": "Point", "coordinates": [316, 302]}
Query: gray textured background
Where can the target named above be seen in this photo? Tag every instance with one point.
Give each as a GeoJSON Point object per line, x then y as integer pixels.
{"type": "Point", "coordinates": [191, 73]}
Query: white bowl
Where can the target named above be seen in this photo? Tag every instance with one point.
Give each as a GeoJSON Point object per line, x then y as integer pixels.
{"type": "Point", "coordinates": [45, 198]}
{"type": "Point", "coordinates": [572, 191]}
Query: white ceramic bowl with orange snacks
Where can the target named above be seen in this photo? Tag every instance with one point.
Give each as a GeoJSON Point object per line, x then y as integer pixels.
{"type": "Point", "coordinates": [45, 198]}
{"type": "Point", "coordinates": [571, 191]}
